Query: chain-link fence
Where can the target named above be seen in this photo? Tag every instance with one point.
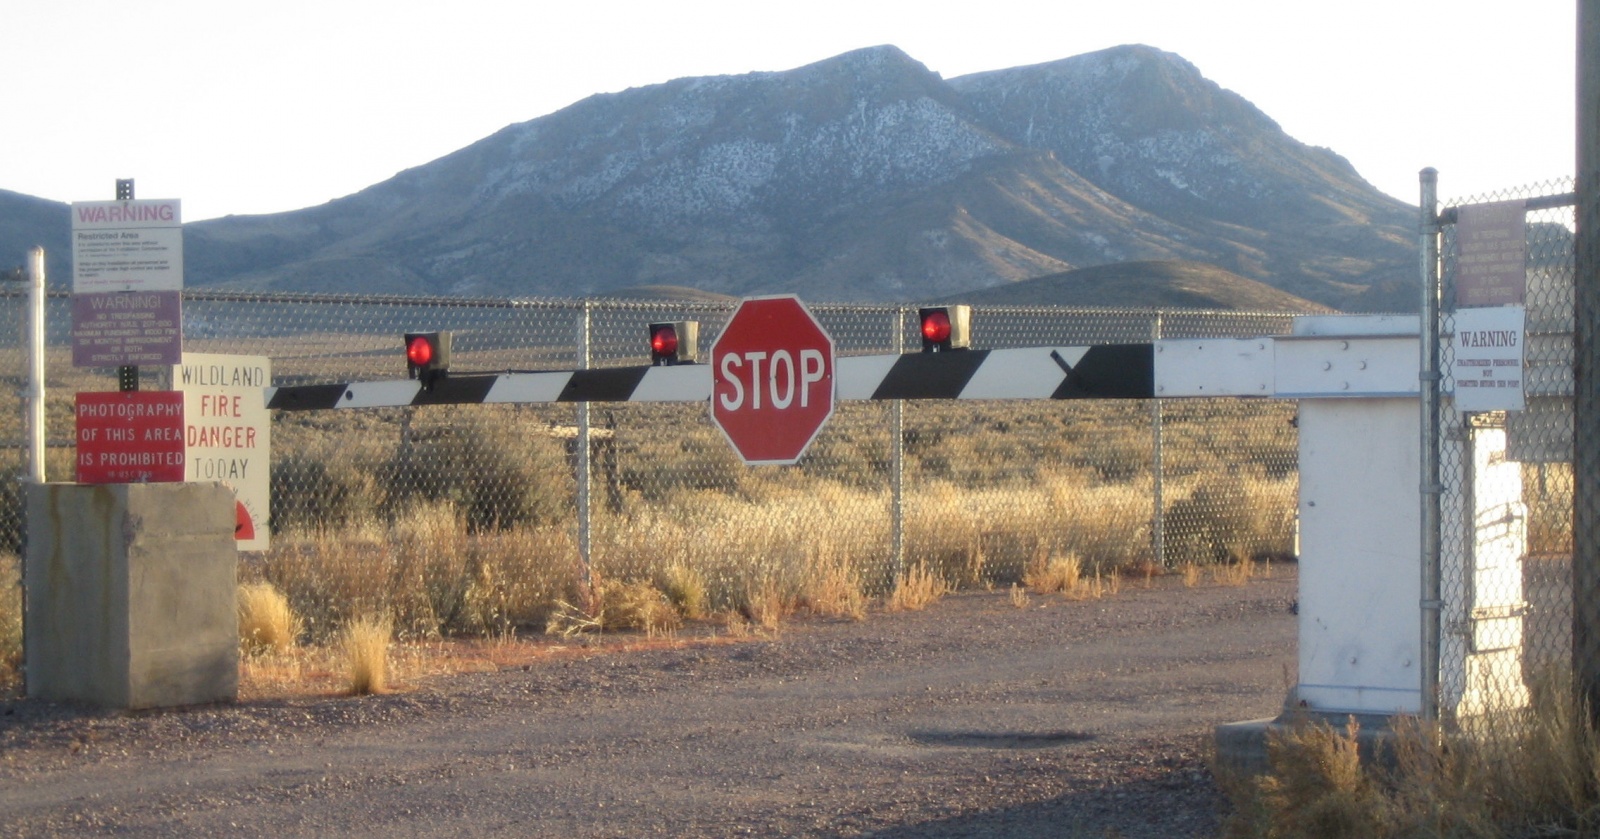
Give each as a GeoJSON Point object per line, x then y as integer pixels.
{"type": "Point", "coordinates": [475, 518]}
{"type": "Point", "coordinates": [1504, 562]}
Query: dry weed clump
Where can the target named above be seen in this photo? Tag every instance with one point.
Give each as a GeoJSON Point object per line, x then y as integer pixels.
{"type": "Point", "coordinates": [365, 643]}
{"type": "Point", "coordinates": [10, 619]}
{"type": "Point", "coordinates": [1512, 772]}
{"type": "Point", "coordinates": [611, 605]}
{"type": "Point", "coordinates": [685, 588]}
{"type": "Point", "coordinates": [266, 623]}
{"type": "Point", "coordinates": [833, 588]}
{"type": "Point", "coordinates": [916, 589]}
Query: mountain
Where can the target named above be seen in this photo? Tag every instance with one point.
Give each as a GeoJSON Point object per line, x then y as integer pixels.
{"type": "Point", "coordinates": [861, 177]}
{"type": "Point", "coordinates": [1144, 285]}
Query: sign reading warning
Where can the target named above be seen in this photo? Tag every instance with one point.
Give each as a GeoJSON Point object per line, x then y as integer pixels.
{"type": "Point", "coordinates": [1487, 366]}
{"type": "Point", "coordinates": [127, 246]}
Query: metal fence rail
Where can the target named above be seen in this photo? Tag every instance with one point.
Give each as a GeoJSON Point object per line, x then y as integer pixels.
{"type": "Point", "coordinates": [475, 518]}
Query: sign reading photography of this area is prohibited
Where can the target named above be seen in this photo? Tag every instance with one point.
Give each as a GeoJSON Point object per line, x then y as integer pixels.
{"type": "Point", "coordinates": [772, 379]}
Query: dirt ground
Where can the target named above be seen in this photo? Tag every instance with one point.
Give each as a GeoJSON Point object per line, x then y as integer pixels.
{"type": "Point", "coordinates": [971, 718]}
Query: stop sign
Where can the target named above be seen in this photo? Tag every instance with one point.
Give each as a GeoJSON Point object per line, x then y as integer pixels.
{"type": "Point", "coordinates": [771, 379]}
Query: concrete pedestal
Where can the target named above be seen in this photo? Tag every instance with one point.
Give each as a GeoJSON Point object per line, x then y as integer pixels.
{"type": "Point", "coordinates": [131, 594]}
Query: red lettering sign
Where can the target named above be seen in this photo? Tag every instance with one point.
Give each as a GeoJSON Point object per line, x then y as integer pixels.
{"type": "Point", "coordinates": [127, 438]}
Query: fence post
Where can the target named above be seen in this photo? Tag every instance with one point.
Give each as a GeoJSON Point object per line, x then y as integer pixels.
{"type": "Point", "coordinates": [1158, 519]}
{"type": "Point", "coordinates": [1586, 357]}
{"type": "Point", "coordinates": [582, 464]}
{"type": "Point", "coordinates": [1431, 488]}
{"type": "Point", "coordinates": [35, 389]}
{"type": "Point", "coordinates": [897, 461]}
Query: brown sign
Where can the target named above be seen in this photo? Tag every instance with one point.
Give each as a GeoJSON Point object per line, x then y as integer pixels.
{"type": "Point", "coordinates": [1491, 254]}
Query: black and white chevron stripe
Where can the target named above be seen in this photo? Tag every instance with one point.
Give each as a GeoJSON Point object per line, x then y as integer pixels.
{"type": "Point", "coordinates": [1105, 371]}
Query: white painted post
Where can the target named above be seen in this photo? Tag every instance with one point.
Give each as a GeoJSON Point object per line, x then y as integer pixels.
{"type": "Point", "coordinates": [35, 396]}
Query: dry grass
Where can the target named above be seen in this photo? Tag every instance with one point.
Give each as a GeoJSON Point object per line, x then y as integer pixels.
{"type": "Point", "coordinates": [764, 604]}
{"type": "Point", "coordinates": [10, 620]}
{"type": "Point", "coordinates": [918, 588]}
{"type": "Point", "coordinates": [1235, 573]}
{"type": "Point", "coordinates": [611, 605]}
{"type": "Point", "coordinates": [365, 644]}
{"type": "Point", "coordinates": [266, 623]}
{"type": "Point", "coordinates": [1513, 772]}
{"type": "Point", "coordinates": [685, 588]}
{"type": "Point", "coordinates": [833, 588]}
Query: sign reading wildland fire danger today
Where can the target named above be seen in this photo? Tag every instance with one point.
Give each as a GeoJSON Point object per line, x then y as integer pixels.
{"type": "Point", "coordinates": [227, 434]}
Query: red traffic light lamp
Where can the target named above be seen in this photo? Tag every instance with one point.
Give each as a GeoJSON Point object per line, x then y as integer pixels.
{"type": "Point", "coordinates": [946, 328]}
{"type": "Point", "coordinates": [674, 342]}
{"type": "Point", "coordinates": [427, 356]}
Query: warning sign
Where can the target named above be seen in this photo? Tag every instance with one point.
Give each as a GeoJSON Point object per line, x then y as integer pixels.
{"type": "Point", "coordinates": [129, 437]}
{"type": "Point", "coordinates": [227, 433]}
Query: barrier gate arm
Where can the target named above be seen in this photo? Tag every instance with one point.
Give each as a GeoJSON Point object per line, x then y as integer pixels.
{"type": "Point", "coordinates": [1272, 367]}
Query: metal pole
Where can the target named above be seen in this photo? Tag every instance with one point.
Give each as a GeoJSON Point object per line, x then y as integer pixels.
{"type": "Point", "coordinates": [583, 467]}
{"type": "Point", "coordinates": [1158, 520]}
{"type": "Point", "coordinates": [35, 395]}
{"type": "Point", "coordinates": [127, 375]}
{"type": "Point", "coordinates": [897, 462]}
{"type": "Point", "coordinates": [1431, 488]}
{"type": "Point", "coordinates": [1586, 365]}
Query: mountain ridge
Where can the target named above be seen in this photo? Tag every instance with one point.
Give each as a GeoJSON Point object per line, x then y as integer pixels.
{"type": "Point", "coordinates": [864, 176]}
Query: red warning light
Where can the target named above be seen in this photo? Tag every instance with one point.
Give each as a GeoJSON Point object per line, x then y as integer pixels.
{"type": "Point", "coordinates": [420, 351]}
{"type": "Point", "coordinates": [664, 341]}
{"type": "Point", "coordinates": [946, 328]}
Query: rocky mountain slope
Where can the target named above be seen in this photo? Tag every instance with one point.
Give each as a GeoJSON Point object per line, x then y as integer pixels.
{"type": "Point", "coordinates": [861, 177]}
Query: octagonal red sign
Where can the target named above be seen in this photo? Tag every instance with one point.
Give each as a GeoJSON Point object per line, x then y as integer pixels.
{"type": "Point", "coordinates": [772, 379]}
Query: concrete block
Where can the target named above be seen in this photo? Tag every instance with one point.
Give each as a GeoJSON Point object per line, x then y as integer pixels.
{"type": "Point", "coordinates": [131, 594]}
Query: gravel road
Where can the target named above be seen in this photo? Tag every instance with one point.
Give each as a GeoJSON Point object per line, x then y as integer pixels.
{"type": "Point", "coordinates": [971, 718]}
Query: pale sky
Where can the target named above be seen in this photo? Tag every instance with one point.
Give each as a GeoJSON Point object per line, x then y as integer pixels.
{"type": "Point", "coordinates": [245, 106]}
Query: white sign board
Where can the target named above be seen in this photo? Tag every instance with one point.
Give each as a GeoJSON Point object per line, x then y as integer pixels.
{"type": "Point", "coordinates": [227, 434]}
{"type": "Point", "coordinates": [127, 246]}
{"type": "Point", "coordinates": [1488, 359]}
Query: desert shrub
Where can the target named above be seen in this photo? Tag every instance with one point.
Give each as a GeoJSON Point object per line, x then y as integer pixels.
{"type": "Point", "coordinates": [1510, 772]}
{"type": "Point", "coordinates": [685, 588]}
{"type": "Point", "coordinates": [498, 473]}
{"type": "Point", "coordinates": [1231, 518]}
{"type": "Point", "coordinates": [833, 588]}
{"type": "Point", "coordinates": [266, 623]}
{"type": "Point", "coordinates": [916, 589]}
{"type": "Point", "coordinates": [365, 643]}
{"type": "Point", "coordinates": [608, 605]}
{"type": "Point", "coordinates": [313, 490]}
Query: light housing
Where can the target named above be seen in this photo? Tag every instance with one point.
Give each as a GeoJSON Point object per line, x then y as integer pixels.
{"type": "Point", "coordinates": [674, 342]}
{"type": "Point", "coordinates": [945, 328]}
{"type": "Point", "coordinates": [427, 356]}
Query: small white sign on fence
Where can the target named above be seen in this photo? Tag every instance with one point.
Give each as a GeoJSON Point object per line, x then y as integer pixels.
{"type": "Point", "coordinates": [1488, 359]}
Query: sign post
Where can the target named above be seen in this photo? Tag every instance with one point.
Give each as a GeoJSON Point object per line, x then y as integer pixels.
{"type": "Point", "coordinates": [772, 374]}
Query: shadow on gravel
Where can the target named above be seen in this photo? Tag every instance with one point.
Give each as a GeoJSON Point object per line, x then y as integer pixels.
{"type": "Point", "coordinates": [998, 739]}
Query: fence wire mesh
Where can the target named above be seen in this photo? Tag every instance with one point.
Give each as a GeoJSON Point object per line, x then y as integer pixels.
{"type": "Point", "coordinates": [465, 519]}
{"type": "Point", "coordinates": [1505, 564]}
